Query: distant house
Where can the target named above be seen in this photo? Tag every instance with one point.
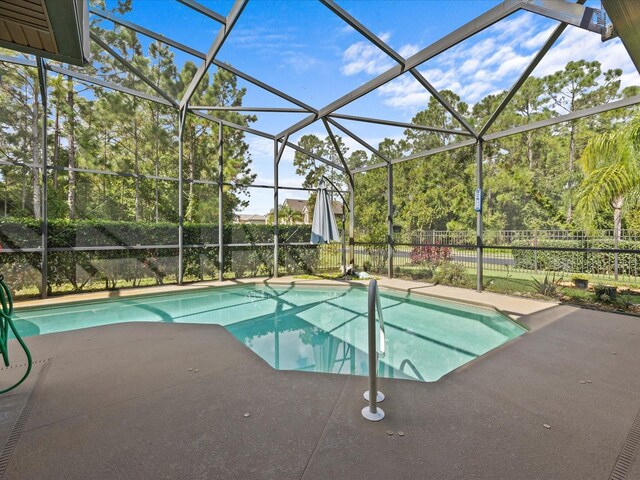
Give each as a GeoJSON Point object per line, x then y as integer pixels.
{"type": "Point", "coordinates": [250, 218]}
{"type": "Point", "coordinates": [307, 216]}
{"type": "Point", "coordinates": [297, 206]}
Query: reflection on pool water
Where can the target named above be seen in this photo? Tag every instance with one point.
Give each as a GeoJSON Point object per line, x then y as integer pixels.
{"type": "Point", "coordinates": [307, 328]}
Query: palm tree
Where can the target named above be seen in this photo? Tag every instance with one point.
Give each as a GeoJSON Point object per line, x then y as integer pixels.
{"type": "Point", "coordinates": [611, 163]}
{"type": "Point", "coordinates": [286, 215]}
{"type": "Point", "coordinates": [289, 215]}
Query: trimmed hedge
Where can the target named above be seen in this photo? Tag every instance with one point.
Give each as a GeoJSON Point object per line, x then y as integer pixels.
{"type": "Point", "coordinates": [577, 262]}
{"type": "Point", "coordinates": [25, 233]}
{"type": "Point", "coordinates": [79, 269]}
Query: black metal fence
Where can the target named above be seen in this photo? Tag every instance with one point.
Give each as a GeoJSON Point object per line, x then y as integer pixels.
{"type": "Point", "coordinates": [601, 255]}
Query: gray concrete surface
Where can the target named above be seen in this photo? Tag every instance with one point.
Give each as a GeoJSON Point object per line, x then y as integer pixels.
{"type": "Point", "coordinates": [119, 402]}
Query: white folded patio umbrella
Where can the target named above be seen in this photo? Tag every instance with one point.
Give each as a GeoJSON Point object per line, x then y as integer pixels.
{"type": "Point", "coordinates": [324, 227]}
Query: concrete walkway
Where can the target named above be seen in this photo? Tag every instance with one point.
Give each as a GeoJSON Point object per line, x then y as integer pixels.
{"type": "Point", "coordinates": [125, 401]}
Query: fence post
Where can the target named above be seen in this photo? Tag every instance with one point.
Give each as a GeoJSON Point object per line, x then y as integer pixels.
{"type": "Point", "coordinates": [352, 219]}
{"type": "Point", "coordinates": [182, 117]}
{"type": "Point", "coordinates": [535, 250]}
{"type": "Point", "coordinates": [44, 210]}
{"type": "Point", "coordinates": [479, 217]}
{"type": "Point", "coordinates": [390, 219]}
{"type": "Point", "coordinates": [276, 159]}
{"type": "Point", "coordinates": [220, 203]}
{"type": "Point", "coordinates": [616, 244]}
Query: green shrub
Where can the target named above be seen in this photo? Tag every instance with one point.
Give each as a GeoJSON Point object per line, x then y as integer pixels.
{"type": "Point", "coordinates": [549, 287]}
{"type": "Point", "coordinates": [423, 272]}
{"type": "Point", "coordinates": [450, 273]}
{"type": "Point", "coordinates": [578, 262]}
{"type": "Point", "coordinates": [78, 269]}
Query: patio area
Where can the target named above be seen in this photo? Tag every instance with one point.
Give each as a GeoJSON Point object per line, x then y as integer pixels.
{"type": "Point", "coordinates": [171, 401]}
{"type": "Point", "coordinates": [174, 149]}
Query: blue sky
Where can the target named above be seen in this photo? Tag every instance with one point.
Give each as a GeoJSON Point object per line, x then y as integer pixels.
{"type": "Point", "coordinates": [303, 49]}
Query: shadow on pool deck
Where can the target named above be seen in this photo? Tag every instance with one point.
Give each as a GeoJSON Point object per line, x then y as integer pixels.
{"type": "Point", "coordinates": [120, 402]}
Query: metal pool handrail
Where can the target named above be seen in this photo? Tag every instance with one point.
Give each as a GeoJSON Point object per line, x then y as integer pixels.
{"type": "Point", "coordinates": [406, 361]}
{"type": "Point", "coordinates": [372, 412]}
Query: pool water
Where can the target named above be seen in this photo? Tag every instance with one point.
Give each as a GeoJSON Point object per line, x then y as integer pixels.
{"type": "Point", "coordinates": [307, 328]}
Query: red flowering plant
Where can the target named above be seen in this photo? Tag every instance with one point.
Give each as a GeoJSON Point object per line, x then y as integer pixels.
{"type": "Point", "coordinates": [430, 254]}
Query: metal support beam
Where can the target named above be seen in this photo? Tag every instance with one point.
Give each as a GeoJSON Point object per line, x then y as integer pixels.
{"type": "Point", "coordinates": [133, 69]}
{"type": "Point", "coordinates": [375, 151]}
{"type": "Point", "coordinates": [261, 84]}
{"type": "Point", "coordinates": [277, 155]}
{"type": "Point", "coordinates": [485, 20]}
{"type": "Point", "coordinates": [625, 102]}
{"type": "Point", "coordinates": [224, 32]}
{"type": "Point", "coordinates": [378, 42]}
{"type": "Point", "coordinates": [112, 86]}
{"type": "Point", "coordinates": [44, 211]}
{"type": "Point", "coordinates": [516, 86]}
{"type": "Point", "coordinates": [17, 60]}
{"type": "Point", "coordinates": [479, 217]}
{"type": "Point", "coordinates": [144, 31]}
{"type": "Point", "coordinates": [85, 78]}
{"type": "Point", "coordinates": [220, 203]}
{"type": "Point", "coordinates": [182, 117]}
{"type": "Point", "coordinates": [249, 109]}
{"type": "Point", "coordinates": [364, 31]}
{"type": "Point", "coordinates": [204, 11]}
{"type": "Point", "coordinates": [334, 141]}
{"type": "Point", "coordinates": [443, 101]}
{"type": "Point", "coordinates": [390, 212]}
{"type": "Point", "coordinates": [314, 156]}
{"type": "Point", "coordinates": [427, 153]}
{"type": "Point", "coordinates": [276, 160]}
{"type": "Point", "coordinates": [352, 219]}
{"type": "Point", "coordinates": [198, 54]}
{"type": "Point", "coordinates": [401, 124]}
{"type": "Point", "coordinates": [235, 126]}
{"type": "Point", "coordinates": [567, 12]}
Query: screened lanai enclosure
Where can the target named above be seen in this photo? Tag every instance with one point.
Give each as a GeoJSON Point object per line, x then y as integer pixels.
{"type": "Point", "coordinates": [131, 152]}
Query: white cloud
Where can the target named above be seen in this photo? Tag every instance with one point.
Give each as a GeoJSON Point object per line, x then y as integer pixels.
{"type": "Point", "coordinates": [365, 57]}
{"type": "Point", "coordinates": [469, 66]}
{"type": "Point", "coordinates": [491, 61]}
{"type": "Point", "coordinates": [405, 92]}
{"type": "Point", "coordinates": [283, 182]}
{"type": "Point", "coordinates": [259, 146]}
{"type": "Point", "coordinates": [408, 50]}
{"type": "Point", "coordinates": [576, 44]}
{"type": "Point", "coordinates": [300, 62]}
{"type": "Point", "coordinates": [538, 40]}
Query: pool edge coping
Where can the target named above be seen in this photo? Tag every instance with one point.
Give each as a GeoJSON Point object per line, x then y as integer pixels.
{"type": "Point", "coordinates": [456, 295]}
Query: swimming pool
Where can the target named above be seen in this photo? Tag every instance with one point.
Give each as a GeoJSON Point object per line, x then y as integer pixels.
{"type": "Point", "coordinates": [307, 328]}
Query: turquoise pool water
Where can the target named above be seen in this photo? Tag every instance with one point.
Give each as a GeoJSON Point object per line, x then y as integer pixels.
{"type": "Point", "coordinates": [307, 328]}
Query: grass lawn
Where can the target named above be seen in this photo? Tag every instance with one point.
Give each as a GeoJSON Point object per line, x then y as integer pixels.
{"type": "Point", "coordinates": [524, 284]}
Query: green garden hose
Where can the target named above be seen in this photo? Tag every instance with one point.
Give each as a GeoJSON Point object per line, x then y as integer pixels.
{"type": "Point", "coordinates": [6, 322]}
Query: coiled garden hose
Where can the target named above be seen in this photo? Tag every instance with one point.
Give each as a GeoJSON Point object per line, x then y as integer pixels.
{"type": "Point", "coordinates": [6, 322]}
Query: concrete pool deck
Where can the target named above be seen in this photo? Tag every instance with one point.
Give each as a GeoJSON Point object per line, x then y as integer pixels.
{"type": "Point", "coordinates": [150, 401]}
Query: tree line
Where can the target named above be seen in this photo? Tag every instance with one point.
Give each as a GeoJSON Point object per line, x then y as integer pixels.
{"type": "Point", "coordinates": [97, 129]}
{"type": "Point", "coordinates": [536, 180]}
